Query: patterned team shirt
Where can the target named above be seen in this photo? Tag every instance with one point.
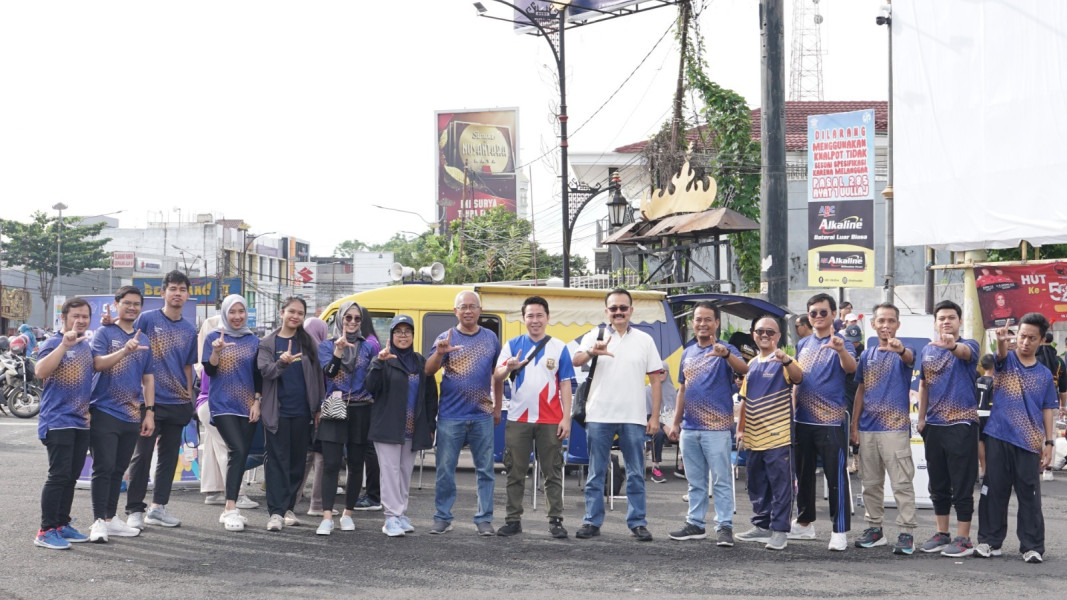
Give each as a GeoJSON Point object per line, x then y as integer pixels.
{"type": "Point", "coordinates": [535, 392]}
{"type": "Point", "coordinates": [65, 401]}
{"type": "Point", "coordinates": [349, 384]}
{"type": "Point", "coordinates": [886, 387]}
{"type": "Point", "coordinates": [1020, 394]}
{"type": "Point", "coordinates": [173, 348]}
{"type": "Point", "coordinates": [821, 393]}
{"type": "Point", "coordinates": [709, 403]}
{"type": "Point", "coordinates": [950, 385]}
{"type": "Point", "coordinates": [768, 397]}
{"type": "Point", "coordinates": [118, 390]}
{"type": "Point", "coordinates": [233, 387]}
{"type": "Point", "coordinates": [466, 387]}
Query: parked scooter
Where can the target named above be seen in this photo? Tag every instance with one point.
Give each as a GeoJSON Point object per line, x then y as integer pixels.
{"type": "Point", "coordinates": [21, 390]}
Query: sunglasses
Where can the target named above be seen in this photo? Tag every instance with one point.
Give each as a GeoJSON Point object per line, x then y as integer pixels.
{"type": "Point", "coordinates": [620, 309]}
{"type": "Point", "coordinates": [766, 332]}
{"type": "Point", "coordinates": [814, 314]}
{"type": "Point", "coordinates": [353, 318]}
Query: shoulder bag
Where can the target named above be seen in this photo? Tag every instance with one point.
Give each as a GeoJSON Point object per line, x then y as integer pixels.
{"type": "Point", "coordinates": [578, 403]}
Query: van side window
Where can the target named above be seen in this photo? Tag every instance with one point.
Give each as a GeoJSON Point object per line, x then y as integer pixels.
{"type": "Point", "coordinates": [435, 323]}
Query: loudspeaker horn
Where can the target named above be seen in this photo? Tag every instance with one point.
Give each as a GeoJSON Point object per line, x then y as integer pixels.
{"type": "Point", "coordinates": [434, 272]}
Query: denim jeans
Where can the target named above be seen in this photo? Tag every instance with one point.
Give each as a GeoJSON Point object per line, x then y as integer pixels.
{"type": "Point", "coordinates": [451, 435]}
{"type": "Point", "coordinates": [704, 451]}
{"type": "Point", "coordinates": [632, 444]}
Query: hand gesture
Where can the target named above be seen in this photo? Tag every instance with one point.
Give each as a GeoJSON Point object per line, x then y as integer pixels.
{"type": "Point", "coordinates": [220, 343]}
{"type": "Point", "coordinates": [105, 317]}
{"type": "Point", "coordinates": [895, 345]}
{"type": "Point", "coordinates": [134, 345]}
{"type": "Point", "coordinates": [514, 362]}
{"type": "Point", "coordinates": [780, 356]}
{"type": "Point", "coordinates": [836, 343]}
{"type": "Point", "coordinates": [288, 357]}
{"type": "Point", "coordinates": [945, 340]}
{"type": "Point", "coordinates": [72, 337]}
{"type": "Point", "coordinates": [600, 348]}
{"type": "Point", "coordinates": [444, 345]}
{"type": "Point", "coordinates": [386, 352]}
{"type": "Point", "coordinates": [1003, 335]}
{"type": "Point", "coordinates": [720, 350]}
{"type": "Point", "coordinates": [339, 346]}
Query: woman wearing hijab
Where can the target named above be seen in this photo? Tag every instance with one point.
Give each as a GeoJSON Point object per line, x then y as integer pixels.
{"type": "Point", "coordinates": [31, 340]}
{"type": "Point", "coordinates": [234, 395]}
{"type": "Point", "coordinates": [345, 360]}
{"type": "Point", "coordinates": [403, 418]}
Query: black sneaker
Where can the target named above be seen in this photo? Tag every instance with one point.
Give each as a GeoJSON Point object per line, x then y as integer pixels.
{"type": "Point", "coordinates": [587, 531]}
{"type": "Point", "coordinates": [510, 528]}
{"type": "Point", "coordinates": [689, 532]}
{"type": "Point", "coordinates": [555, 528]}
{"type": "Point", "coordinates": [642, 534]}
{"type": "Point", "coordinates": [905, 544]}
{"type": "Point", "coordinates": [872, 536]}
{"type": "Point", "coordinates": [726, 537]}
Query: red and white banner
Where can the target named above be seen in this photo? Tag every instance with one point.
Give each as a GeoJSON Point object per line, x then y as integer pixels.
{"type": "Point", "coordinates": [1008, 293]}
{"type": "Point", "coordinates": [122, 260]}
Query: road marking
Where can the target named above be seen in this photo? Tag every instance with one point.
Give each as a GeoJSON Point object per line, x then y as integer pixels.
{"type": "Point", "coordinates": [19, 423]}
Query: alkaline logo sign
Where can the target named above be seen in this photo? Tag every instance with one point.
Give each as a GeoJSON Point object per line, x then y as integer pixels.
{"type": "Point", "coordinates": [842, 261]}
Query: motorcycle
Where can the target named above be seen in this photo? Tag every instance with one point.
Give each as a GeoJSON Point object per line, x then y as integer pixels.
{"type": "Point", "coordinates": [21, 389]}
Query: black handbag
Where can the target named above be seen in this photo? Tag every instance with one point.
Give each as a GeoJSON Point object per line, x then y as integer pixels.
{"type": "Point", "coordinates": [581, 397]}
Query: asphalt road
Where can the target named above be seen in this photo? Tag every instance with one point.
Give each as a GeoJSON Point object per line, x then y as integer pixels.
{"type": "Point", "coordinates": [201, 560]}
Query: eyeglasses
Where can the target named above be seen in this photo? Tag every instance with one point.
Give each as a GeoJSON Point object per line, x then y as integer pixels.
{"type": "Point", "coordinates": [620, 309]}
{"type": "Point", "coordinates": [404, 332]}
{"type": "Point", "coordinates": [765, 332]}
{"type": "Point", "coordinates": [468, 307]}
{"type": "Point", "coordinates": [353, 318]}
{"type": "Point", "coordinates": [814, 314]}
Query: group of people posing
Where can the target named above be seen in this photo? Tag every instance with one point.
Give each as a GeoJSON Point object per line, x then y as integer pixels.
{"type": "Point", "coordinates": [129, 393]}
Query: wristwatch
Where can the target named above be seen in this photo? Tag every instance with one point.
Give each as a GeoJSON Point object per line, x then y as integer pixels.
{"type": "Point", "coordinates": [151, 408]}
{"type": "Point", "coordinates": [1050, 443]}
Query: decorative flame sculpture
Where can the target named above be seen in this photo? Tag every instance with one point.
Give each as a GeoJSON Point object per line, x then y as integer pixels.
{"type": "Point", "coordinates": [695, 199]}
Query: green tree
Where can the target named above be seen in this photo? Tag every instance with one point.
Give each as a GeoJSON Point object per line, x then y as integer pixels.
{"type": "Point", "coordinates": [32, 246]}
{"type": "Point", "coordinates": [349, 248]}
{"type": "Point", "coordinates": [1047, 251]}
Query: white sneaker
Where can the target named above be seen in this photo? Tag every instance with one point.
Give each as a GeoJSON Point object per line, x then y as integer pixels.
{"type": "Point", "coordinates": [325, 527]}
{"type": "Point", "coordinates": [1046, 476]}
{"type": "Point", "coordinates": [116, 527]}
{"type": "Point", "coordinates": [1031, 556]}
{"type": "Point", "coordinates": [985, 551]}
{"type": "Point", "coordinates": [798, 532]}
{"type": "Point", "coordinates": [98, 532]}
{"type": "Point", "coordinates": [215, 499]}
{"type": "Point", "coordinates": [274, 523]}
{"type": "Point", "coordinates": [135, 520]}
{"type": "Point", "coordinates": [244, 502]}
{"type": "Point", "coordinates": [838, 542]}
{"type": "Point", "coordinates": [347, 524]}
{"type": "Point", "coordinates": [290, 519]}
{"type": "Point", "coordinates": [233, 520]}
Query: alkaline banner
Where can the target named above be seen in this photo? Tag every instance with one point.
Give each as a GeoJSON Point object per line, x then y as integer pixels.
{"type": "Point", "coordinates": [1007, 293]}
{"type": "Point", "coordinates": [476, 160]}
{"type": "Point", "coordinates": [841, 199]}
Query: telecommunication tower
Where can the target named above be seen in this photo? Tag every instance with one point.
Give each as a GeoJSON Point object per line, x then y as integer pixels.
{"type": "Point", "coordinates": [805, 74]}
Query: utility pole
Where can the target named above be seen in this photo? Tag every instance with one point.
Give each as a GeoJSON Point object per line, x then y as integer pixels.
{"type": "Point", "coordinates": [676, 120]}
{"type": "Point", "coordinates": [774, 198]}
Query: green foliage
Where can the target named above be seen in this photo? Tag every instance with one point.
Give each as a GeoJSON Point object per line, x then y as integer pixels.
{"type": "Point", "coordinates": [348, 249]}
{"type": "Point", "coordinates": [32, 246]}
{"type": "Point", "coordinates": [1005, 254]}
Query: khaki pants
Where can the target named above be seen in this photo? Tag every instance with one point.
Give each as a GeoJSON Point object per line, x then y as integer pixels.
{"type": "Point", "coordinates": [214, 455]}
{"type": "Point", "coordinates": [519, 438]}
{"type": "Point", "coordinates": [882, 453]}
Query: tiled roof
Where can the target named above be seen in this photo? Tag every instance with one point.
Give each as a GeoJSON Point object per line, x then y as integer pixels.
{"type": "Point", "coordinates": [796, 122]}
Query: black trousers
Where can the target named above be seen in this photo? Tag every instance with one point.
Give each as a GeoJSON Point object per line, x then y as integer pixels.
{"type": "Point", "coordinates": [170, 420]}
{"type": "Point", "coordinates": [286, 458]}
{"type": "Point", "coordinates": [829, 443]}
{"type": "Point", "coordinates": [360, 453]}
{"type": "Point", "coordinates": [111, 441]}
{"type": "Point", "coordinates": [237, 432]}
{"type": "Point", "coordinates": [952, 463]}
{"type": "Point", "coordinates": [66, 457]}
{"type": "Point", "coordinates": [1010, 467]}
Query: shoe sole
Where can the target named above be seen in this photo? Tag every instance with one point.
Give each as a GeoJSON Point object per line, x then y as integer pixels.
{"type": "Point", "coordinates": [436, 531]}
{"type": "Point", "coordinates": [881, 542]}
{"type": "Point", "coordinates": [1034, 560]}
{"type": "Point", "coordinates": [487, 533]}
{"type": "Point", "coordinates": [965, 553]}
{"type": "Point", "coordinates": [725, 544]}
{"type": "Point", "coordinates": [41, 544]}
{"type": "Point", "coordinates": [161, 523]}
{"type": "Point", "coordinates": [903, 551]}
{"type": "Point", "coordinates": [252, 506]}
{"type": "Point", "coordinates": [682, 538]}
{"type": "Point", "coordinates": [386, 532]}
{"type": "Point", "coordinates": [273, 528]}
{"type": "Point", "coordinates": [367, 508]}
{"type": "Point", "coordinates": [230, 527]}
{"type": "Point", "coordinates": [770, 547]}
{"type": "Point", "coordinates": [838, 549]}
{"type": "Point", "coordinates": [81, 541]}
{"type": "Point", "coordinates": [801, 536]}
{"type": "Point", "coordinates": [99, 540]}
{"type": "Point", "coordinates": [112, 534]}
{"type": "Point", "coordinates": [992, 554]}
{"type": "Point", "coordinates": [940, 549]}
{"type": "Point", "coordinates": [215, 503]}
{"type": "Point", "coordinates": [323, 532]}
{"type": "Point", "coordinates": [559, 536]}
{"type": "Point", "coordinates": [764, 540]}
{"type": "Point", "coordinates": [586, 536]}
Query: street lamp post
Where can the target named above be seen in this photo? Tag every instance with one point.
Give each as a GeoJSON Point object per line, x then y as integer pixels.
{"type": "Point", "coordinates": [582, 195]}
{"type": "Point", "coordinates": [59, 206]}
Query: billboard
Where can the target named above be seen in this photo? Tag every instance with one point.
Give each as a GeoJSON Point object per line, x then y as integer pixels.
{"type": "Point", "coordinates": [477, 152]}
{"type": "Point", "coordinates": [841, 199]}
{"type": "Point", "coordinates": [580, 10]}
{"type": "Point", "coordinates": [122, 259]}
{"type": "Point", "coordinates": [203, 290]}
{"type": "Point", "coordinates": [1006, 293]}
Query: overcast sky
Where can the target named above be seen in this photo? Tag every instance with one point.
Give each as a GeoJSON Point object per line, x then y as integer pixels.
{"type": "Point", "coordinates": [299, 116]}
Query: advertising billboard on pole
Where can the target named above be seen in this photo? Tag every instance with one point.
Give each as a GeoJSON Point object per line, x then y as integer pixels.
{"type": "Point", "coordinates": [841, 199]}
{"type": "Point", "coordinates": [477, 152]}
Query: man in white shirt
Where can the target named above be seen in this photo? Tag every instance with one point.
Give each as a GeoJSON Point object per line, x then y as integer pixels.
{"type": "Point", "coordinates": [616, 406]}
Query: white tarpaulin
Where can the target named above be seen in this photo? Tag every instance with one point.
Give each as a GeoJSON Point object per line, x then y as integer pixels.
{"type": "Point", "coordinates": [980, 122]}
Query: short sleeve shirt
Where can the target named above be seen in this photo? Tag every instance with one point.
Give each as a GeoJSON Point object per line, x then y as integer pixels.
{"type": "Point", "coordinates": [617, 394]}
{"type": "Point", "coordinates": [535, 395]}
{"type": "Point", "coordinates": [118, 390]}
{"type": "Point", "coordinates": [886, 383]}
{"type": "Point", "coordinates": [466, 386]}
{"type": "Point", "coordinates": [767, 394]}
{"type": "Point", "coordinates": [1020, 394]}
{"type": "Point", "coordinates": [821, 393]}
{"type": "Point", "coordinates": [65, 400]}
{"type": "Point", "coordinates": [708, 380]}
{"type": "Point", "coordinates": [950, 384]}
{"type": "Point", "coordinates": [174, 347]}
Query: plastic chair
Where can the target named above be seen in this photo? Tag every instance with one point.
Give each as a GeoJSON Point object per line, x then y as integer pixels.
{"type": "Point", "coordinates": [575, 452]}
